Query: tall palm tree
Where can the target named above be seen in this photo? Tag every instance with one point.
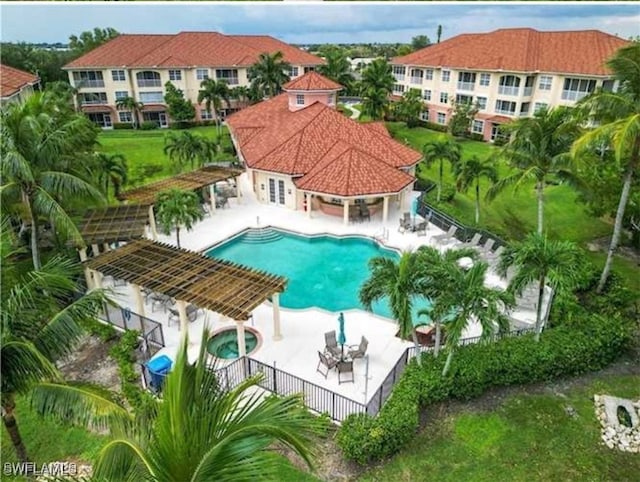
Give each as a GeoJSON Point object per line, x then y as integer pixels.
{"type": "Point", "coordinates": [408, 108]}
{"type": "Point", "coordinates": [375, 103]}
{"type": "Point", "coordinates": [538, 150]}
{"type": "Point", "coordinates": [110, 169]}
{"type": "Point", "coordinates": [177, 208]}
{"type": "Point", "coordinates": [337, 68]}
{"type": "Point", "coordinates": [269, 73]}
{"type": "Point", "coordinates": [242, 94]}
{"type": "Point", "coordinates": [442, 149]}
{"type": "Point", "coordinates": [213, 93]}
{"type": "Point", "coordinates": [619, 115]}
{"type": "Point", "coordinates": [38, 146]}
{"type": "Point", "coordinates": [376, 84]}
{"type": "Point", "coordinates": [200, 432]}
{"type": "Point", "coordinates": [542, 261]}
{"type": "Point", "coordinates": [401, 282]}
{"type": "Point", "coordinates": [132, 105]}
{"type": "Point", "coordinates": [469, 173]}
{"type": "Point", "coordinates": [465, 298]}
{"type": "Point", "coordinates": [182, 147]}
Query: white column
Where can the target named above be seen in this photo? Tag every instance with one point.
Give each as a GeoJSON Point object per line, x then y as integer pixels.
{"type": "Point", "coordinates": [106, 247]}
{"type": "Point", "coordinates": [308, 198]}
{"type": "Point", "coordinates": [152, 224]}
{"type": "Point", "coordinates": [242, 347]}
{"type": "Point", "coordinates": [275, 300]}
{"type": "Point", "coordinates": [97, 279]}
{"type": "Point", "coordinates": [87, 272]}
{"type": "Point", "coordinates": [238, 189]}
{"type": "Point", "coordinates": [345, 212]}
{"type": "Point", "coordinates": [96, 249]}
{"type": "Point", "coordinates": [212, 197]}
{"type": "Point", "coordinates": [139, 301]}
{"type": "Point", "coordinates": [385, 209]}
{"type": "Point", "coordinates": [400, 198]}
{"type": "Point", "coordinates": [182, 312]}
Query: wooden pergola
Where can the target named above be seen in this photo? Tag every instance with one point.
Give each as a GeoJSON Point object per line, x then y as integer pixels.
{"type": "Point", "coordinates": [227, 288]}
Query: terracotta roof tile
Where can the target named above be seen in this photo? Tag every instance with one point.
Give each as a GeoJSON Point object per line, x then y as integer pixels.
{"type": "Point", "coordinates": [312, 81]}
{"type": "Point", "coordinates": [378, 127]}
{"type": "Point", "coordinates": [189, 49]}
{"type": "Point", "coordinates": [12, 80]}
{"type": "Point", "coordinates": [522, 50]}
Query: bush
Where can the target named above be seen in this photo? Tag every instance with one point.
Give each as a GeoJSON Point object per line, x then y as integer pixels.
{"type": "Point", "coordinates": [474, 136]}
{"type": "Point", "coordinates": [102, 330]}
{"type": "Point", "coordinates": [435, 127]}
{"type": "Point", "coordinates": [183, 124]}
{"type": "Point", "coordinates": [448, 193]}
{"type": "Point", "coordinates": [122, 125]}
{"type": "Point", "coordinates": [564, 350]}
{"type": "Point", "coordinates": [148, 126]}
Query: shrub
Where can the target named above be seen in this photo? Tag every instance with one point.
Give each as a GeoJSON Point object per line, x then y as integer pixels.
{"type": "Point", "coordinates": [102, 330]}
{"type": "Point", "coordinates": [436, 127]}
{"type": "Point", "coordinates": [474, 136]}
{"type": "Point", "coordinates": [448, 193]}
{"type": "Point", "coordinates": [565, 350]}
{"type": "Point", "coordinates": [122, 125]}
{"type": "Point", "coordinates": [148, 126]}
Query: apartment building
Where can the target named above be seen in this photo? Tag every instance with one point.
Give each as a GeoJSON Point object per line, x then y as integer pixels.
{"type": "Point", "coordinates": [139, 66]}
{"type": "Point", "coordinates": [508, 73]}
{"type": "Point", "coordinates": [16, 85]}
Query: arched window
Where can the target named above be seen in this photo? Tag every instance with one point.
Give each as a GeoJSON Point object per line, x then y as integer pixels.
{"type": "Point", "coordinates": [148, 78]}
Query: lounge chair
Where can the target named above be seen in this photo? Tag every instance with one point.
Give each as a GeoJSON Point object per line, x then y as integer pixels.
{"type": "Point", "coordinates": [358, 351]}
{"type": "Point", "coordinates": [345, 367]}
{"type": "Point", "coordinates": [421, 229]}
{"type": "Point", "coordinates": [495, 255]}
{"type": "Point", "coordinates": [161, 300]}
{"type": "Point", "coordinates": [446, 237]}
{"type": "Point", "coordinates": [331, 344]}
{"type": "Point", "coordinates": [405, 223]}
{"type": "Point", "coordinates": [475, 241]}
{"type": "Point", "coordinates": [488, 246]}
{"type": "Point", "coordinates": [192, 314]}
{"type": "Point", "coordinates": [364, 212]}
{"type": "Point", "coordinates": [328, 363]}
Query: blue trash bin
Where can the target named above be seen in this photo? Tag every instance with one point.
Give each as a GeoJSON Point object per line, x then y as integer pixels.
{"type": "Point", "coordinates": [158, 368]}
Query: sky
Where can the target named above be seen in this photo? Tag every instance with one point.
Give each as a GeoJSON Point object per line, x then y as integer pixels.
{"type": "Point", "coordinates": [311, 22]}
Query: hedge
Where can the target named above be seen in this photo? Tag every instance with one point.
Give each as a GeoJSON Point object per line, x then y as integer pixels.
{"type": "Point", "coordinates": [122, 125]}
{"type": "Point", "coordinates": [569, 349]}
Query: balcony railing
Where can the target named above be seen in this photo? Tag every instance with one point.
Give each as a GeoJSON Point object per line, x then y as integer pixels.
{"type": "Point", "coordinates": [505, 112]}
{"type": "Point", "coordinates": [230, 80]}
{"type": "Point", "coordinates": [528, 91]}
{"type": "Point", "coordinates": [399, 76]}
{"type": "Point", "coordinates": [93, 101]}
{"type": "Point", "coordinates": [574, 95]}
{"type": "Point", "coordinates": [416, 80]}
{"type": "Point", "coordinates": [508, 90]}
{"type": "Point", "coordinates": [86, 83]}
{"type": "Point", "coordinates": [466, 86]}
{"type": "Point", "coordinates": [149, 83]}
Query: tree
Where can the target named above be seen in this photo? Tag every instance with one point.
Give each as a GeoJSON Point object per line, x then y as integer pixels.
{"type": "Point", "coordinates": [337, 68]}
{"type": "Point", "coordinates": [110, 169]}
{"type": "Point", "coordinates": [185, 147]}
{"type": "Point", "coordinates": [89, 40]}
{"type": "Point", "coordinates": [463, 114]}
{"type": "Point", "coordinates": [242, 94]}
{"type": "Point", "coordinates": [419, 42]}
{"type": "Point", "coordinates": [401, 282]}
{"type": "Point", "coordinates": [40, 146]}
{"type": "Point", "coordinates": [269, 73]}
{"type": "Point", "coordinates": [46, 63]}
{"type": "Point", "coordinates": [179, 108]}
{"type": "Point", "coordinates": [619, 115]}
{"type": "Point", "coordinates": [538, 149]}
{"type": "Point", "coordinates": [442, 149]}
{"type": "Point", "coordinates": [469, 172]}
{"type": "Point", "coordinates": [539, 260]}
{"type": "Point", "coordinates": [132, 105]}
{"type": "Point", "coordinates": [213, 93]}
{"type": "Point", "coordinates": [377, 84]}
{"type": "Point", "coordinates": [439, 34]}
{"type": "Point", "coordinates": [409, 108]}
{"type": "Point", "coordinates": [403, 50]}
{"type": "Point", "coordinates": [178, 209]}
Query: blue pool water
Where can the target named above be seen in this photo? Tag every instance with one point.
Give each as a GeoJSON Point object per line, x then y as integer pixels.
{"type": "Point", "coordinates": [323, 271]}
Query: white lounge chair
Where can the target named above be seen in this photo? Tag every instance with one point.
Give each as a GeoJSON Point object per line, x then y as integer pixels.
{"type": "Point", "coordinates": [446, 237]}
{"type": "Point", "coordinates": [475, 241]}
{"type": "Point", "coordinates": [488, 246]}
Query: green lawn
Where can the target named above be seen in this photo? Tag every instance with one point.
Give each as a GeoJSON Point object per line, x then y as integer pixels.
{"type": "Point", "coordinates": [528, 438]}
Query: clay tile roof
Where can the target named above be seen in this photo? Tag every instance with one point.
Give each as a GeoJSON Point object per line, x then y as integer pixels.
{"type": "Point", "coordinates": [312, 81]}
{"type": "Point", "coordinates": [522, 50]}
{"type": "Point", "coordinates": [378, 127]}
{"type": "Point", "coordinates": [12, 80]}
{"type": "Point", "coordinates": [189, 49]}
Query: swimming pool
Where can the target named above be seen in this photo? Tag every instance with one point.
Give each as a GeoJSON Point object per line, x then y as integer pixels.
{"type": "Point", "coordinates": [323, 271]}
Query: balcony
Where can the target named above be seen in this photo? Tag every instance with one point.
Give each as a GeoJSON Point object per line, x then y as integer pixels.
{"type": "Point", "coordinates": [469, 86]}
{"type": "Point", "coordinates": [416, 80]}
{"type": "Point", "coordinates": [506, 112]}
{"type": "Point", "coordinates": [527, 91]}
{"type": "Point", "coordinates": [93, 101]}
{"type": "Point", "coordinates": [574, 95]}
{"type": "Point", "coordinates": [87, 83]}
{"type": "Point", "coordinates": [399, 76]}
{"type": "Point", "coordinates": [508, 90]}
{"type": "Point", "coordinates": [231, 80]}
{"type": "Point", "coordinates": [149, 83]}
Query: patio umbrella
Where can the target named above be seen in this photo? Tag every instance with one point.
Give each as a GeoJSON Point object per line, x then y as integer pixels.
{"type": "Point", "coordinates": [342, 339]}
{"type": "Point", "coordinates": [414, 209]}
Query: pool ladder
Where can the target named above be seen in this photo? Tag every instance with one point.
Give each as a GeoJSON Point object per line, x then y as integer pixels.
{"type": "Point", "coordinates": [261, 235]}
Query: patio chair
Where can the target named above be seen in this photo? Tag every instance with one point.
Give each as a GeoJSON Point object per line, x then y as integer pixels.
{"type": "Point", "coordinates": [446, 237]}
{"type": "Point", "coordinates": [421, 228]}
{"type": "Point", "coordinates": [364, 212]}
{"type": "Point", "coordinates": [475, 241]}
{"type": "Point", "coordinates": [331, 344]}
{"type": "Point", "coordinates": [222, 201]}
{"type": "Point", "coordinates": [192, 314]}
{"type": "Point", "coordinates": [358, 351]}
{"type": "Point", "coordinates": [405, 223]}
{"type": "Point", "coordinates": [326, 362]}
{"type": "Point", "coordinates": [345, 367]}
{"type": "Point", "coordinates": [161, 300]}
{"type": "Point", "coordinates": [354, 213]}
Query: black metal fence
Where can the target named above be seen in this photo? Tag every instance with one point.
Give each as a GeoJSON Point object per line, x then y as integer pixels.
{"type": "Point", "coordinates": [123, 318]}
{"type": "Point", "coordinates": [381, 395]}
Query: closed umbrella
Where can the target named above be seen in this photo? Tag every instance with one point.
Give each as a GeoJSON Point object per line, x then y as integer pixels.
{"type": "Point", "coordinates": [414, 209]}
{"type": "Point", "coordinates": [342, 339]}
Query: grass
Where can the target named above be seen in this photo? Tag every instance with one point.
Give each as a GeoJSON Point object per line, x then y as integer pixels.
{"type": "Point", "coordinates": [529, 437]}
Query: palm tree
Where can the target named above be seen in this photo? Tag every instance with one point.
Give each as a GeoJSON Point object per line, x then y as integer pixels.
{"type": "Point", "coordinates": [439, 32]}
{"type": "Point", "coordinates": [619, 114]}
{"type": "Point", "coordinates": [470, 172]}
{"type": "Point", "coordinates": [408, 108]}
{"type": "Point", "coordinates": [213, 93]}
{"type": "Point", "coordinates": [337, 68]}
{"type": "Point", "coordinates": [377, 84]}
{"type": "Point", "coordinates": [538, 150]}
{"type": "Point", "coordinates": [132, 105]}
{"type": "Point", "coordinates": [464, 297]}
{"type": "Point", "coordinates": [177, 208]}
{"type": "Point", "coordinates": [375, 103]}
{"type": "Point", "coordinates": [182, 147]}
{"type": "Point", "coordinates": [200, 432]}
{"type": "Point", "coordinates": [442, 149]}
{"type": "Point", "coordinates": [38, 146]}
{"type": "Point", "coordinates": [401, 282]}
{"type": "Point", "coordinates": [242, 94]}
{"type": "Point", "coordinates": [542, 261]}
{"type": "Point", "coordinates": [269, 73]}
{"type": "Point", "coordinates": [110, 169]}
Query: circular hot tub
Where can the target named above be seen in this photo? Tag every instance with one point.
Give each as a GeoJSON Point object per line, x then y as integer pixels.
{"type": "Point", "coordinates": [224, 344]}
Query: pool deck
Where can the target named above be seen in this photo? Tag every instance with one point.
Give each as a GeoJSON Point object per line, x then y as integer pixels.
{"type": "Point", "coordinates": [303, 330]}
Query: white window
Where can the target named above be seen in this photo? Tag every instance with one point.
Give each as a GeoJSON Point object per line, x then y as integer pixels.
{"type": "Point", "coordinates": [442, 118]}
{"type": "Point", "coordinates": [416, 76]}
{"type": "Point", "coordinates": [446, 75]}
{"type": "Point", "coordinates": [202, 74]}
{"type": "Point", "coordinates": [477, 126]}
{"type": "Point", "coordinates": [93, 98]}
{"type": "Point", "coordinates": [230, 76]}
{"type": "Point", "coordinates": [125, 117]}
{"type": "Point", "coordinates": [545, 82]}
{"type": "Point", "coordinates": [121, 94]}
{"type": "Point", "coordinates": [398, 72]}
{"type": "Point", "coordinates": [576, 89]}
{"type": "Point", "coordinates": [426, 95]}
{"type": "Point", "coordinates": [398, 88]}
{"type": "Point", "coordinates": [482, 103]}
{"type": "Point", "coordinates": [205, 114]}
{"type": "Point", "coordinates": [88, 78]}
{"type": "Point", "coordinates": [424, 115]}
{"type": "Point", "coordinates": [151, 97]}
{"type": "Point", "coordinates": [117, 75]}
{"type": "Point", "coordinates": [524, 108]}
{"type": "Point", "coordinates": [505, 107]}
{"type": "Point", "coordinates": [330, 99]}
{"type": "Point", "coordinates": [175, 75]}
{"type": "Point", "coordinates": [539, 106]}
{"type": "Point", "coordinates": [485, 79]}
{"type": "Point", "coordinates": [428, 74]}
{"type": "Point", "coordinates": [299, 99]}
{"type": "Point", "coordinates": [444, 97]}
{"type": "Point", "coordinates": [293, 72]}
{"type": "Point", "coordinates": [464, 99]}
